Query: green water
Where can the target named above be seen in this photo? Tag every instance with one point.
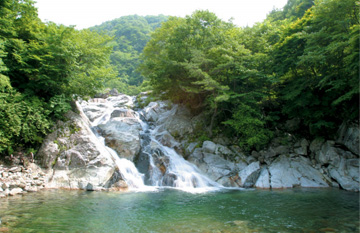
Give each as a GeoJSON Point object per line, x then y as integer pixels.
{"type": "Point", "coordinates": [295, 210]}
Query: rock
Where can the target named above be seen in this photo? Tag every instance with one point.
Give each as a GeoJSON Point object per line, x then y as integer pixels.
{"type": "Point", "coordinates": [316, 145]}
{"type": "Point", "coordinates": [255, 154]}
{"type": "Point", "coordinates": [114, 92]}
{"type": "Point", "coordinates": [15, 169]}
{"type": "Point", "coordinates": [166, 139]}
{"type": "Point", "coordinates": [301, 148]}
{"type": "Point", "coordinates": [328, 154]}
{"type": "Point", "coordinates": [122, 135]}
{"type": "Point", "coordinates": [123, 113]}
{"type": "Point", "coordinates": [346, 173]}
{"type": "Point", "coordinates": [15, 191]}
{"type": "Point", "coordinates": [153, 110]}
{"type": "Point", "coordinates": [264, 179]}
{"type": "Point", "coordinates": [249, 175]}
{"type": "Point", "coordinates": [281, 150]}
{"type": "Point", "coordinates": [290, 172]}
{"type": "Point", "coordinates": [31, 189]}
{"type": "Point", "coordinates": [5, 186]}
{"type": "Point", "coordinates": [177, 121]}
{"type": "Point", "coordinates": [80, 158]}
{"type": "Point", "coordinates": [349, 136]}
{"type": "Point", "coordinates": [209, 147]}
{"type": "Point", "coordinates": [121, 101]}
{"type": "Point", "coordinates": [196, 157]}
{"type": "Point", "coordinates": [191, 148]}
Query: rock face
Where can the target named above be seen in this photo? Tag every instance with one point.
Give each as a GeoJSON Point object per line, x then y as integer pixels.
{"type": "Point", "coordinates": [74, 157]}
{"type": "Point", "coordinates": [293, 172]}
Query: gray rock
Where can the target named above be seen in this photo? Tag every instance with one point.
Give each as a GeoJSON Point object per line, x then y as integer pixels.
{"type": "Point", "coordinates": [316, 145]}
{"type": "Point", "coordinates": [249, 175]}
{"type": "Point", "coordinates": [264, 179]}
{"type": "Point", "coordinates": [349, 136]}
{"type": "Point", "coordinates": [290, 172]}
{"type": "Point", "coordinates": [153, 110]}
{"type": "Point", "coordinates": [191, 147]}
{"type": "Point", "coordinates": [328, 154]}
{"type": "Point", "coordinates": [281, 150]}
{"type": "Point", "coordinates": [79, 158]}
{"type": "Point", "coordinates": [177, 121]}
{"type": "Point", "coordinates": [301, 147]}
{"type": "Point", "coordinates": [122, 135]}
{"type": "Point", "coordinates": [346, 173]}
{"type": "Point", "coordinates": [209, 147]}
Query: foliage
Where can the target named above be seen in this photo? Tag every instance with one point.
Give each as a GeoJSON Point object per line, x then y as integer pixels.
{"type": "Point", "coordinates": [319, 66]}
{"type": "Point", "coordinates": [42, 68]}
{"type": "Point", "coordinates": [300, 62]}
{"type": "Point", "coordinates": [200, 61]}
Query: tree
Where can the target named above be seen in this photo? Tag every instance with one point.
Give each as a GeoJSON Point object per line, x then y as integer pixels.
{"type": "Point", "coordinates": [317, 60]}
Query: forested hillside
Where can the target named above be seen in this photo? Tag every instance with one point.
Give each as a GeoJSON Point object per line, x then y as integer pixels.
{"type": "Point", "coordinates": [300, 65]}
{"type": "Point", "coordinates": [130, 35]}
{"type": "Point", "coordinates": [42, 68]}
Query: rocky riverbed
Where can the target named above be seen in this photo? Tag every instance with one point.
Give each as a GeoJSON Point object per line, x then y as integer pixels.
{"type": "Point", "coordinates": [17, 179]}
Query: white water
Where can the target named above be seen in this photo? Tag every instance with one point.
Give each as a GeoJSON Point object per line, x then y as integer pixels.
{"type": "Point", "coordinates": [184, 175]}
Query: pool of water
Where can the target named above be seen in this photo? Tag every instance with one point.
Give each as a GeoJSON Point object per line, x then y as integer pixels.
{"type": "Point", "coordinates": [169, 210]}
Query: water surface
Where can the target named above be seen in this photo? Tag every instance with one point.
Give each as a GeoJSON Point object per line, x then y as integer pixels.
{"type": "Point", "coordinates": [170, 210]}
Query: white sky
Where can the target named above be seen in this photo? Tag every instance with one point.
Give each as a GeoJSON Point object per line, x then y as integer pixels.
{"type": "Point", "coordinates": [87, 13]}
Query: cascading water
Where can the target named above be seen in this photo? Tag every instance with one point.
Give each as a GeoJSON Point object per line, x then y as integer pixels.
{"type": "Point", "coordinates": [176, 171]}
{"type": "Point", "coordinates": [159, 165]}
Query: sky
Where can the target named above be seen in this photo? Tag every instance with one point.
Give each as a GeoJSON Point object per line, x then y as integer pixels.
{"type": "Point", "coordinates": [87, 13]}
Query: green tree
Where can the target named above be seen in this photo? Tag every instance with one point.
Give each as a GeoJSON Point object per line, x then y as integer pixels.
{"type": "Point", "coordinates": [317, 59]}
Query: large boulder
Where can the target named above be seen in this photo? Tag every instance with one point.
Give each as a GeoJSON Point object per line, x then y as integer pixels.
{"type": "Point", "coordinates": [123, 135]}
{"type": "Point", "coordinates": [74, 157]}
{"type": "Point", "coordinates": [211, 162]}
{"type": "Point", "coordinates": [288, 172]}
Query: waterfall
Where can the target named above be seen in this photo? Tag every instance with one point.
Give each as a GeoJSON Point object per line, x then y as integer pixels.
{"type": "Point", "coordinates": [156, 165]}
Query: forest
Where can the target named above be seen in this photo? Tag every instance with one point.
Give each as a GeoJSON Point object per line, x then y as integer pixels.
{"type": "Point", "coordinates": [301, 64]}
